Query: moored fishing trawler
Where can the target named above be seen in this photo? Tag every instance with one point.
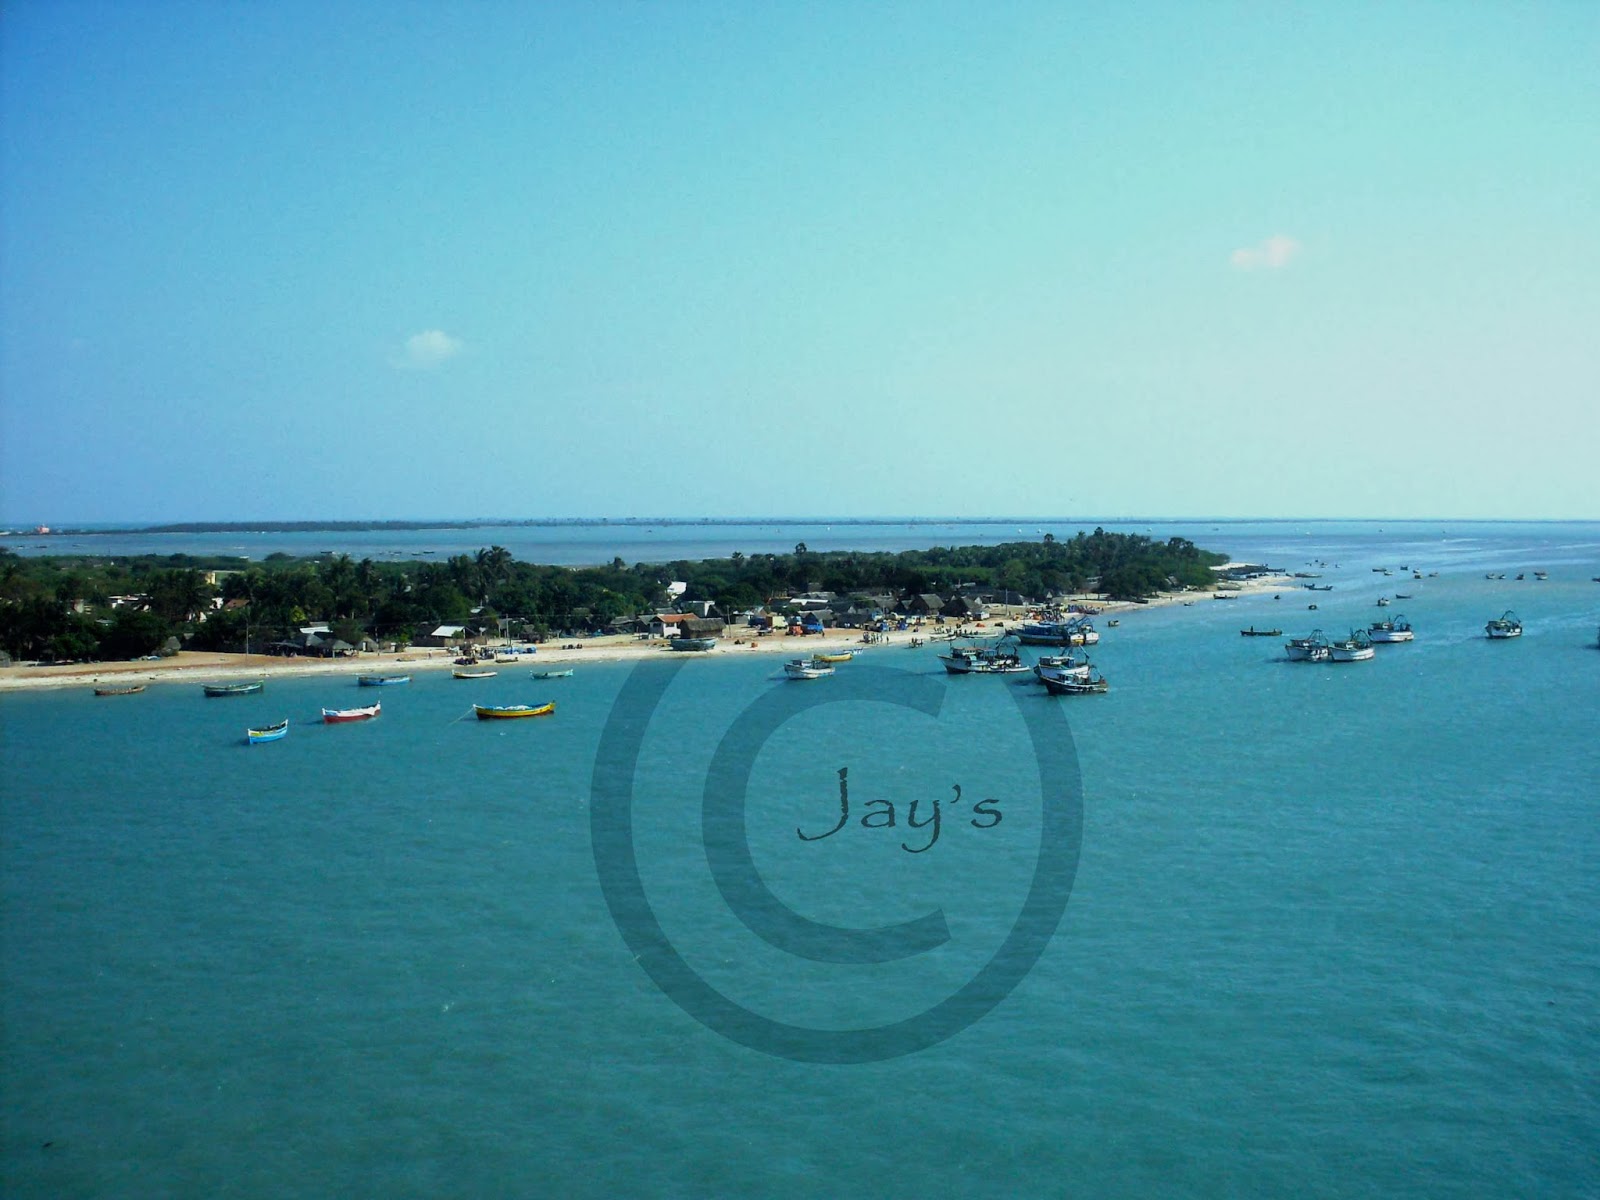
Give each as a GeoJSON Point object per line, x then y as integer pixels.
{"type": "Point", "coordinates": [998, 659]}
{"type": "Point", "coordinates": [1073, 685]}
{"type": "Point", "coordinates": [1075, 631]}
{"type": "Point", "coordinates": [1506, 625]}
{"type": "Point", "coordinates": [1062, 666]}
{"type": "Point", "coordinates": [340, 716]}
{"type": "Point", "coordinates": [1397, 630]}
{"type": "Point", "coordinates": [1308, 649]}
{"type": "Point", "coordinates": [1355, 648]}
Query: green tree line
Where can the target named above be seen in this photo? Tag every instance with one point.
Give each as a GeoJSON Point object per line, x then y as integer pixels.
{"type": "Point", "coordinates": [62, 608]}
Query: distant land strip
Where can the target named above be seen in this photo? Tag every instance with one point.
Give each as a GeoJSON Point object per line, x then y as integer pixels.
{"type": "Point", "coordinates": [539, 522]}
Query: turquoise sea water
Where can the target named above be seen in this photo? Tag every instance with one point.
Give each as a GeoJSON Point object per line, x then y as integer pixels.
{"type": "Point", "coordinates": [1331, 931]}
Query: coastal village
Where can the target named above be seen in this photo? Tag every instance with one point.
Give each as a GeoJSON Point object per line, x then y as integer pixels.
{"type": "Point", "coordinates": [816, 619]}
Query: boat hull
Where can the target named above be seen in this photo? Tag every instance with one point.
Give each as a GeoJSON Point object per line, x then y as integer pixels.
{"type": "Point", "coordinates": [1076, 687]}
{"type": "Point", "coordinates": [512, 712]}
{"type": "Point", "coordinates": [1057, 635]}
{"type": "Point", "coordinates": [692, 644]}
{"type": "Point", "coordinates": [232, 689]}
{"type": "Point", "coordinates": [382, 680]}
{"type": "Point", "coordinates": [802, 670]}
{"type": "Point", "coordinates": [272, 733]}
{"type": "Point", "coordinates": [1350, 653]}
{"type": "Point", "coordinates": [343, 716]}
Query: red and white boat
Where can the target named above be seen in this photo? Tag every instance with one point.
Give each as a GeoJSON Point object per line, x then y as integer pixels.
{"type": "Point", "coordinates": [336, 716]}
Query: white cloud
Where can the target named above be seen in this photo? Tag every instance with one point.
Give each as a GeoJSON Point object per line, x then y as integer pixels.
{"type": "Point", "coordinates": [1269, 255]}
{"type": "Point", "coordinates": [428, 349]}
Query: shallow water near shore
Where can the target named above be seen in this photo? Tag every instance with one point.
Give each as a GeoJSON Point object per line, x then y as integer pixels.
{"type": "Point", "coordinates": [1331, 931]}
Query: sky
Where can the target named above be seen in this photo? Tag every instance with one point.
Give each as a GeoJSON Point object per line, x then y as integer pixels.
{"type": "Point", "coordinates": [286, 261]}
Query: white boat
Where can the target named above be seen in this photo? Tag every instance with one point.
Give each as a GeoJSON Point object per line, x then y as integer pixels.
{"type": "Point", "coordinates": [1355, 648]}
{"type": "Point", "coordinates": [1308, 649]}
{"type": "Point", "coordinates": [1047, 675]}
{"type": "Point", "coordinates": [998, 659]}
{"type": "Point", "coordinates": [1383, 602]}
{"type": "Point", "coordinates": [338, 716]}
{"type": "Point", "coordinates": [1397, 630]}
{"type": "Point", "coordinates": [806, 668]}
{"type": "Point", "coordinates": [1506, 625]}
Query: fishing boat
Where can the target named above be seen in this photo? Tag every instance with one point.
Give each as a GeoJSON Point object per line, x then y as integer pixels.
{"type": "Point", "coordinates": [270, 733]}
{"type": "Point", "coordinates": [128, 689]}
{"type": "Point", "coordinates": [1402, 595]}
{"type": "Point", "coordinates": [567, 674]}
{"type": "Point", "coordinates": [1308, 649]}
{"type": "Point", "coordinates": [1383, 602]}
{"type": "Point", "coordinates": [1505, 625]}
{"type": "Point", "coordinates": [1397, 630]}
{"type": "Point", "coordinates": [338, 716]}
{"type": "Point", "coordinates": [1073, 686]}
{"type": "Point", "coordinates": [1254, 632]}
{"type": "Point", "coordinates": [998, 659]}
{"type": "Point", "coordinates": [509, 712]}
{"type": "Point", "coordinates": [382, 680]}
{"type": "Point", "coordinates": [1355, 648]}
{"type": "Point", "coordinates": [1319, 587]}
{"type": "Point", "coordinates": [473, 672]}
{"type": "Point", "coordinates": [1061, 666]}
{"type": "Point", "coordinates": [691, 643]}
{"type": "Point", "coordinates": [234, 689]}
{"type": "Point", "coordinates": [834, 656]}
{"type": "Point", "coordinates": [1078, 631]}
{"type": "Point", "coordinates": [807, 668]}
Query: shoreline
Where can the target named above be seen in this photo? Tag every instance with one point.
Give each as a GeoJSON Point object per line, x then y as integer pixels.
{"type": "Point", "coordinates": [196, 667]}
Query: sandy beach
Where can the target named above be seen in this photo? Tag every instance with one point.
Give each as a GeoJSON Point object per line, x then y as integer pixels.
{"type": "Point", "coordinates": [196, 667]}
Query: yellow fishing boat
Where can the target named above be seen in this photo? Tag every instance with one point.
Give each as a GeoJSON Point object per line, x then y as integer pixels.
{"type": "Point", "coordinates": [504, 712]}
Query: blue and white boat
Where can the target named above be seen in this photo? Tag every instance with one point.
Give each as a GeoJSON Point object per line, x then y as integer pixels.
{"type": "Point", "coordinates": [1078, 631]}
{"type": "Point", "coordinates": [270, 733]}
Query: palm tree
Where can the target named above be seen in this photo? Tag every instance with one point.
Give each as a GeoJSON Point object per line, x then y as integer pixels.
{"type": "Point", "coordinates": [494, 568]}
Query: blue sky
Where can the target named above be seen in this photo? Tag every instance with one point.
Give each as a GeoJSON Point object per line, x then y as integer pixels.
{"type": "Point", "coordinates": [289, 261]}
